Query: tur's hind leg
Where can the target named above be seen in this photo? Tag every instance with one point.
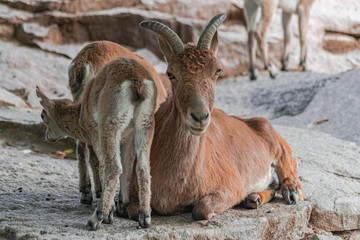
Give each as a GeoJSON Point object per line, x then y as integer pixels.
{"type": "Point", "coordinates": [256, 200]}
{"type": "Point", "coordinates": [84, 178]}
{"type": "Point", "coordinates": [212, 204]}
{"type": "Point", "coordinates": [127, 160]}
{"type": "Point", "coordinates": [144, 132]}
{"type": "Point", "coordinates": [94, 163]}
{"type": "Point", "coordinates": [115, 119]}
{"type": "Point", "coordinates": [286, 24]}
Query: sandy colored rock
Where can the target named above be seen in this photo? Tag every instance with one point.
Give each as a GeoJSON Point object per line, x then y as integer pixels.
{"type": "Point", "coordinates": [340, 43]}
{"type": "Point", "coordinates": [24, 67]}
{"type": "Point", "coordinates": [11, 99]}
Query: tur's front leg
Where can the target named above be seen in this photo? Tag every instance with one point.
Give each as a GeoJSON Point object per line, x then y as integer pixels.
{"type": "Point", "coordinates": [212, 204]}
{"type": "Point", "coordinates": [84, 178]}
{"type": "Point", "coordinates": [286, 167]}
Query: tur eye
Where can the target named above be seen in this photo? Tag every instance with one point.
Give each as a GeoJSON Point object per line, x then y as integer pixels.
{"type": "Point", "coordinates": [217, 73]}
{"type": "Point", "coordinates": [170, 75]}
{"type": "Point", "coordinates": [44, 117]}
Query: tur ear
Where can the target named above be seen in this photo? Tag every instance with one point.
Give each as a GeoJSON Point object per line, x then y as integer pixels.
{"type": "Point", "coordinates": [45, 101]}
{"type": "Point", "coordinates": [214, 43]}
{"type": "Point", "coordinates": [165, 48]}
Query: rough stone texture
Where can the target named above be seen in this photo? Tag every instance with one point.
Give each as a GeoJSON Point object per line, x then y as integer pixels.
{"type": "Point", "coordinates": [9, 99]}
{"type": "Point", "coordinates": [289, 94]}
{"type": "Point", "coordinates": [40, 200]}
{"type": "Point", "coordinates": [322, 237]}
{"type": "Point", "coordinates": [329, 177]}
{"type": "Point", "coordinates": [23, 67]}
{"type": "Point", "coordinates": [81, 21]}
{"type": "Point", "coordinates": [336, 102]}
{"type": "Point", "coordinates": [339, 43]}
{"type": "Point", "coordinates": [297, 99]}
{"type": "Point", "coordinates": [72, 6]}
{"type": "Point", "coordinates": [23, 128]}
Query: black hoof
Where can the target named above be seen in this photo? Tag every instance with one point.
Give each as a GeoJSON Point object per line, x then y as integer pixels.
{"type": "Point", "coordinates": [144, 220]}
{"type": "Point", "coordinates": [290, 196]}
{"type": "Point", "coordinates": [272, 70]}
{"type": "Point", "coordinates": [86, 196]}
{"type": "Point", "coordinates": [252, 201]}
{"type": "Point", "coordinates": [253, 74]}
{"type": "Point", "coordinates": [95, 220]}
{"type": "Point", "coordinates": [98, 194]}
{"type": "Point", "coordinates": [121, 210]}
{"type": "Point", "coordinates": [284, 65]}
{"type": "Point", "coordinates": [303, 65]}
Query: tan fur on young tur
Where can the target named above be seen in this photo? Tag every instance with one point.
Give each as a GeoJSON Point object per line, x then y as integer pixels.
{"type": "Point", "coordinates": [115, 115]}
{"type": "Point", "coordinates": [202, 158]}
{"type": "Point", "coordinates": [86, 65]}
{"type": "Point", "coordinates": [259, 14]}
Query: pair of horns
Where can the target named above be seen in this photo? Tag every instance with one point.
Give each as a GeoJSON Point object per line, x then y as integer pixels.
{"type": "Point", "coordinates": [175, 41]}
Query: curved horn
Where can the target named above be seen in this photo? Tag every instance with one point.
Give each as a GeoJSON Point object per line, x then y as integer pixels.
{"type": "Point", "coordinates": [209, 31]}
{"type": "Point", "coordinates": [172, 38]}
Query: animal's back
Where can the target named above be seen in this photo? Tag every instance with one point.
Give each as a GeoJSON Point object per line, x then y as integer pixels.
{"type": "Point", "coordinates": [109, 82]}
{"type": "Point", "coordinates": [94, 56]}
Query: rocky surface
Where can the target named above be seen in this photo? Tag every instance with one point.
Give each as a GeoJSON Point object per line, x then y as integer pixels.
{"type": "Point", "coordinates": [309, 100]}
{"type": "Point", "coordinates": [40, 200]}
{"type": "Point", "coordinates": [333, 38]}
{"type": "Point", "coordinates": [330, 180]}
{"type": "Point", "coordinates": [341, 114]}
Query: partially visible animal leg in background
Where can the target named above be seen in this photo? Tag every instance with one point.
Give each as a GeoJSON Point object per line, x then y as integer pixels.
{"type": "Point", "coordinates": [84, 178]}
{"type": "Point", "coordinates": [94, 163]}
{"type": "Point", "coordinates": [286, 24]}
{"type": "Point", "coordinates": [267, 12]}
{"type": "Point", "coordinates": [252, 14]}
{"type": "Point", "coordinates": [304, 15]}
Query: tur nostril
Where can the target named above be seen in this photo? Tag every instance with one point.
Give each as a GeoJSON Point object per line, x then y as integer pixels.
{"type": "Point", "coordinates": [199, 119]}
{"type": "Point", "coordinates": [196, 118]}
{"type": "Point", "coordinates": [205, 116]}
